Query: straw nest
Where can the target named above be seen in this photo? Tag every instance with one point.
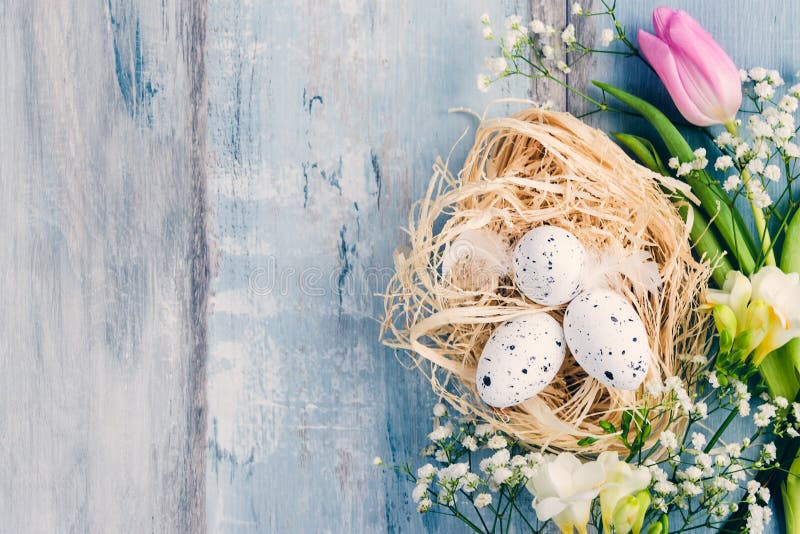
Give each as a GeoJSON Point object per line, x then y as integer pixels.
{"type": "Point", "coordinates": [539, 167]}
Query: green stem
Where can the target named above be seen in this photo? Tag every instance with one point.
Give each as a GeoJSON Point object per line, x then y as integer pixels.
{"type": "Point", "coordinates": [758, 213]}
{"type": "Point", "coordinates": [790, 491]}
{"type": "Point", "coordinates": [720, 431]}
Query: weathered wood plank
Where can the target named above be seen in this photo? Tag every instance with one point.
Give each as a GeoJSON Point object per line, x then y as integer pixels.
{"type": "Point", "coordinates": [102, 247]}
{"type": "Point", "coordinates": [325, 119]}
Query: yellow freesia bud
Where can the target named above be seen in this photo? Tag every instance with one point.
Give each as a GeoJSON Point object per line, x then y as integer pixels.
{"type": "Point", "coordinates": [625, 514]}
{"type": "Point", "coordinates": [643, 497]}
{"type": "Point", "coordinates": [725, 319]}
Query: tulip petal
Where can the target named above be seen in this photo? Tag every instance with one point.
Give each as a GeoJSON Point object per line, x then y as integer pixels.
{"type": "Point", "coordinates": [661, 16]}
{"type": "Point", "coordinates": [708, 74]}
{"type": "Point", "coordinates": [660, 57]}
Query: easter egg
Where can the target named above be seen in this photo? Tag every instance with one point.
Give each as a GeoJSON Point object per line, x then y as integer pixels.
{"type": "Point", "coordinates": [607, 338]}
{"type": "Point", "coordinates": [548, 265]}
{"type": "Point", "coordinates": [521, 357]}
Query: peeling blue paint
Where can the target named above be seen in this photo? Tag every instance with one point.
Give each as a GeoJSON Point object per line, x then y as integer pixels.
{"type": "Point", "coordinates": [131, 67]}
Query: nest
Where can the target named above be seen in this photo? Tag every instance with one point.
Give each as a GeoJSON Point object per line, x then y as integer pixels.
{"type": "Point", "coordinates": [539, 167]}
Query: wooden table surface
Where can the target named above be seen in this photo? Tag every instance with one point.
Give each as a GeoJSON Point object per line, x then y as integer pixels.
{"type": "Point", "coordinates": [200, 199]}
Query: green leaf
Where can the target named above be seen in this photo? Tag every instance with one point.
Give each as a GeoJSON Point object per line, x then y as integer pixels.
{"type": "Point", "coordinates": [588, 440]}
{"type": "Point", "coordinates": [607, 427]}
{"type": "Point", "coordinates": [644, 150]}
{"type": "Point", "coordinates": [646, 431]}
{"type": "Point", "coordinates": [713, 198]}
{"type": "Point", "coordinates": [627, 416]}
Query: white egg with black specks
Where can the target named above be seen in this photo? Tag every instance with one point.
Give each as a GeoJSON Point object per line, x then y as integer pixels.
{"type": "Point", "coordinates": [607, 338]}
{"type": "Point", "coordinates": [548, 265]}
{"type": "Point", "coordinates": [521, 357]}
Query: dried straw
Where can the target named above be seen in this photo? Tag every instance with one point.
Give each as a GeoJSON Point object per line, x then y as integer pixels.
{"type": "Point", "coordinates": [540, 167]}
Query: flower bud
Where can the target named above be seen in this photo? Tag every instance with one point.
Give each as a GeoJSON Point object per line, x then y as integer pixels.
{"type": "Point", "coordinates": [625, 514]}
{"type": "Point", "coordinates": [701, 79]}
{"type": "Point", "coordinates": [643, 498]}
{"type": "Point", "coordinates": [725, 319]}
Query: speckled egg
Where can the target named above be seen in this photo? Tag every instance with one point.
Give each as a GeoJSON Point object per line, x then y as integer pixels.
{"type": "Point", "coordinates": [548, 265]}
{"type": "Point", "coordinates": [607, 338]}
{"type": "Point", "coordinates": [521, 357]}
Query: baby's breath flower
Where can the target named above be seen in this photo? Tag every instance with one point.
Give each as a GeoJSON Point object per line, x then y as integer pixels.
{"type": "Point", "coordinates": [774, 77]}
{"type": "Point", "coordinates": [441, 432]}
{"type": "Point", "coordinates": [741, 149]}
{"type": "Point", "coordinates": [769, 453]}
{"type": "Point", "coordinates": [668, 440]}
{"type": "Point", "coordinates": [470, 443]}
{"type": "Point", "coordinates": [765, 414]}
{"type": "Point", "coordinates": [577, 9]}
{"type": "Point", "coordinates": [483, 83]}
{"type": "Point", "coordinates": [512, 22]}
{"type": "Point", "coordinates": [471, 482]}
{"type": "Point", "coordinates": [734, 450]}
{"type": "Point", "coordinates": [441, 456]}
{"type": "Point", "coordinates": [424, 505]}
{"type": "Point", "coordinates": [439, 409]}
{"type": "Point", "coordinates": [698, 440]}
{"type": "Point", "coordinates": [792, 150]}
{"type": "Point", "coordinates": [788, 104]}
{"type": "Point", "coordinates": [755, 166]}
{"type": "Point", "coordinates": [724, 139]}
{"type": "Point", "coordinates": [723, 163]}
{"type": "Point", "coordinates": [426, 472]}
{"type": "Point", "coordinates": [548, 52]}
{"type": "Point", "coordinates": [684, 169]}
{"type": "Point", "coordinates": [501, 474]}
{"type": "Point", "coordinates": [743, 75]}
{"type": "Point", "coordinates": [497, 442]}
{"type": "Point", "coordinates": [772, 172]}
{"type": "Point", "coordinates": [377, 461]}
{"type": "Point", "coordinates": [482, 500]}
{"type": "Point", "coordinates": [482, 429]}
{"type": "Point", "coordinates": [607, 36]}
{"type": "Point", "coordinates": [563, 67]}
{"type": "Point", "coordinates": [496, 65]}
{"type": "Point", "coordinates": [758, 195]}
{"type": "Point", "coordinates": [764, 91]}
{"type": "Point", "coordinates": [568, 35]}
{"type": "Point", "coordinates": [711, 376]}
{"type": "Point", "coordinates": [485, 19]}
{"type": "Point", "coordinates": [538, 27]}
{"type": "Point", "coordinates": [795, 90]}
{"type": "Point", "coordinates": [420, 492]}
{"type": "Point", "coordinates": [500, 458]}
{"type": "Point", "coordinates": [700, 410]}
{"type": "Point", "coordinates": [673, 163]}
{"type": "Point", "coordinates": [690, 488]}
{"type": "Point", "coordinates": [487, 33]}
{"type": "Point", "coordinates": [757, 74]}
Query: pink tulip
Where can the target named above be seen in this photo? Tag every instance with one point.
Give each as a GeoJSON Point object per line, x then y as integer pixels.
{"type": "Point", "coordinates": [700, 77]}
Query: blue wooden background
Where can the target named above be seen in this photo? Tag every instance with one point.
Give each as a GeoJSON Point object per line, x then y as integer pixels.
{"type": "Point", "coordinates": [200, 199]}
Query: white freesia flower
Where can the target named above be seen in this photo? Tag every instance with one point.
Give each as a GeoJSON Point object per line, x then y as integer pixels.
{"type": "Point", "coordinates": [768, 304]}
{"type": "Point", "coordinates": [563, 490]}
{"type": "Point", "coordinates": [781, 292]}
{"type": "Point", "coordinates": [621, 480]}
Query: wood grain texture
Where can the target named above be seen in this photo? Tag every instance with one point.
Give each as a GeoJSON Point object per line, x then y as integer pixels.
{"type": "Point", "coordinates": [325, 120]}
{"type": "Point", "coordinates": [102, 247]}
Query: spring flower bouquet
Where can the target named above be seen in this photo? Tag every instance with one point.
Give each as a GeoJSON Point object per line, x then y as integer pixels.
{"type": "Point", "coordinates": [660, 458]}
